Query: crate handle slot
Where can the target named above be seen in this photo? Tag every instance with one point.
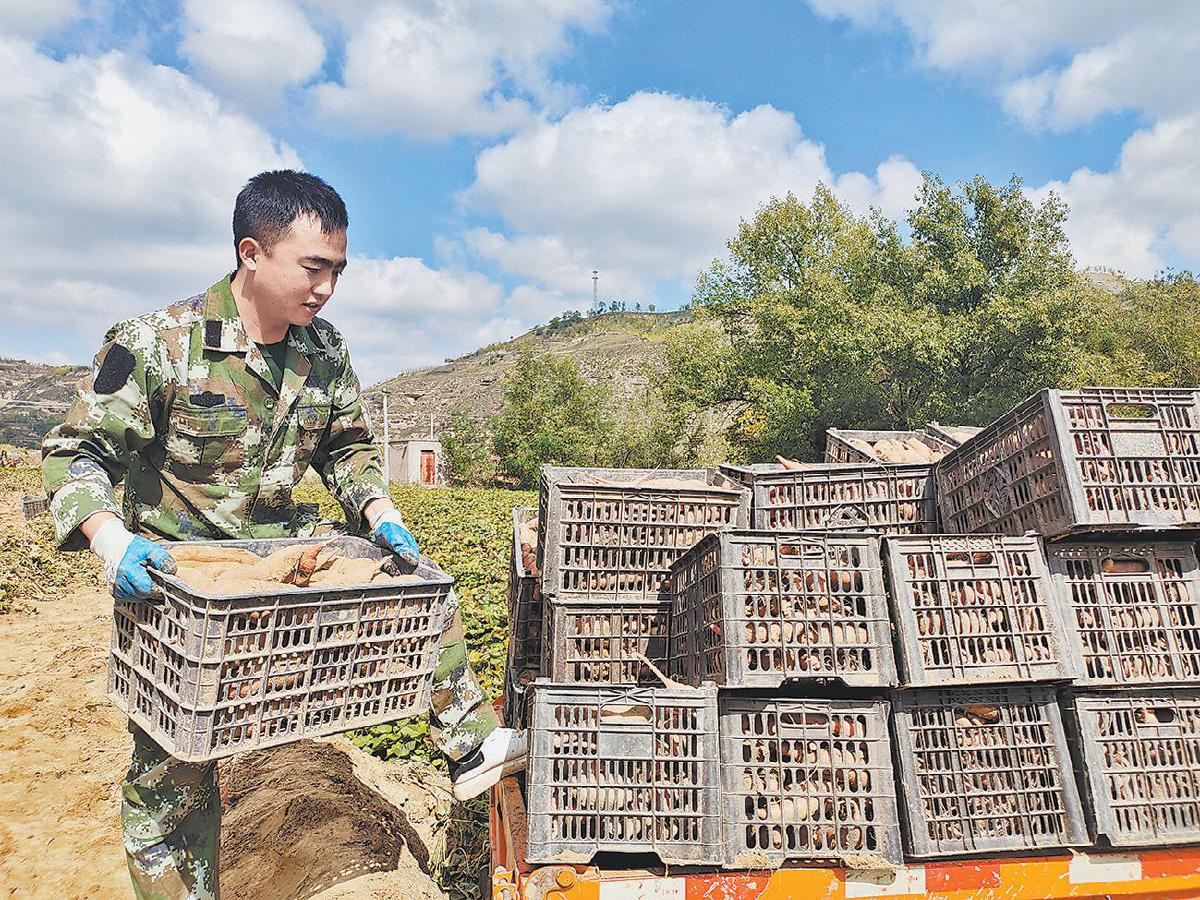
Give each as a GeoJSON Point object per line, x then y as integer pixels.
{"type": "Point", "coordinates": [1155, 715]}
{"type": "Point", "coordinates": [803, 720]}
{"type": "Point", "coordinates": [625, 714]}
{"type": "Point", "coordinates": [802, 551]}
{"type": "Point", "coordinates": [1125, 565]}
{"type": "Point", "coordinates": [1132, 411]}
{"type": "Point", "coordinates": [962, 559]}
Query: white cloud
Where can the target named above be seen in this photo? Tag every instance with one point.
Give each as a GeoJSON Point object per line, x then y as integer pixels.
{"type": "Point", "coordinates": [648, 190]}
{"type": "Point", "coordinates": [1062, 65]}
{"type": "Point", "coordinates": [445, 67]}
{"type": "Point", "coordinates": [116, 188]}
{"type": "Point", "coordinates": [35, 18]}
{"type": "Point", "coordinates": [250, 52]}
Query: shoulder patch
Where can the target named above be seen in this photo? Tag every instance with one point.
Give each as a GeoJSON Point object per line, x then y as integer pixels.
{"type": "Point", "coordinates": [114, 371]}
{"type": "Point", "coordinates": [212, 332]}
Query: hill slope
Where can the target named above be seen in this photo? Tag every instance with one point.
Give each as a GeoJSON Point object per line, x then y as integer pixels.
{"type": "Point", "coordinates": [615, 347]}
{"type": "Point", "coordinates": [34, 398]}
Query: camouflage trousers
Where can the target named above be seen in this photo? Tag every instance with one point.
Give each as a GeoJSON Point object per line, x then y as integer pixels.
{"type": "Point", "coordinates": [171, 809]}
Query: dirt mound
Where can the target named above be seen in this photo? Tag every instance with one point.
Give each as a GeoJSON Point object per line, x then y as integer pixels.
{"type": "Point", "coordinates": [298, 820]}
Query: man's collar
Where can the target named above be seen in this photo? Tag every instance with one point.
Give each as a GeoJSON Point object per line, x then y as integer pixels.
{"type": "Point", "coordinates": [223, 329]}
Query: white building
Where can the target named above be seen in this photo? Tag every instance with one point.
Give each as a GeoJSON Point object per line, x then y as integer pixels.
{"type": "Point", "coordinates": [417, 462]}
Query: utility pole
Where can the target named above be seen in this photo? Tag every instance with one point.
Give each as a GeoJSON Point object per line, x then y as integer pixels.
{"type": "Point", "coordinates": [387, 445]}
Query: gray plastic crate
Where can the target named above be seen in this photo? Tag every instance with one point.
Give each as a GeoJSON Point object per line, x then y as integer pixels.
{"type": "Point", "coordinates": [524, 602]}
{"type": "Point", "coordinates": [985, 771]}
{"type": "Point", "coordinates": [34, 505]}
{"type": "Point", "coordinates": [623, 769]}
{"type": "Point", "coordinates": [757, 608]}
{"type": "Point", "coordinates": [847, 446]}
{"type": "Point", "coordinates": [954, 435]}
{"type": "Point", "coordinates": [587, 643]}
{"type": "Point", "coordinates": [208, 676]}
{"type": "Point", "coordinates": [609, 535]}
{"type": "Point", "coordinates": [807, 780]}
{"type": "Point", "coordinates": [1141, 760]}
{"type": "Point", "coordinates": [891, 499]}
{"type": "Point", "coordinates": [1132, 610]}
{"type": "Point", "coordinates": [975, 609]}
{"type": "Point", "coordinates": [1072, 461]}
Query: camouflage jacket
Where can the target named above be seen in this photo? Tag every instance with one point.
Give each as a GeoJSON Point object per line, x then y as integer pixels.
{"type": "Point", "coordinates": [182, 405]}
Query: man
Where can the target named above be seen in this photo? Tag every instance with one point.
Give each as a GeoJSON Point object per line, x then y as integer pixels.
{"type": "Point", "coordinates": [211, 410]}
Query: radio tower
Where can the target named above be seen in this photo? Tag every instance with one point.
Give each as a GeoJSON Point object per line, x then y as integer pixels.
{"type": "Point", "coordinates": [595, 288]}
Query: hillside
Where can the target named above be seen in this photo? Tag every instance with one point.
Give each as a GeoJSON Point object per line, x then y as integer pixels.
{"type": "Point", "coordinates": [33, 398]}
{"type": "Point", "coordinates": [616, 347]}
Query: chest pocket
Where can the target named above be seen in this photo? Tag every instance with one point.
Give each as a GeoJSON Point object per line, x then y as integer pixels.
{"type": "Point", "coordinates": [208, 438]}
{"type": "Point", "coordinates": [311, 420]}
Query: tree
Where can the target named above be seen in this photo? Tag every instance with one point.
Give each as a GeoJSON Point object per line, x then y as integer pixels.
{"type": "Point", "coordinates": [827, 318]}
{"type": "Point", "coordinates": [551, 414]}
{"type": "Point", "coordinates": [466, 451]}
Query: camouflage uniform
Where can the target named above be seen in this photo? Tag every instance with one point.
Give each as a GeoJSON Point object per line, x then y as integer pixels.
{"type": "Point", "coordinates": [183, 406]}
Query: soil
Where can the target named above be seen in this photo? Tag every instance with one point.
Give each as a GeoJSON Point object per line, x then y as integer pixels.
{"type": "Point", "coordinates": [312, 819]}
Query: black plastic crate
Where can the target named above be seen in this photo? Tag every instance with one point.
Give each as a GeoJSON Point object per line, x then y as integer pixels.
{"type": "Point", "coordinates": [208, 676]}
{"type": "Point", "coordinates": [807, 780]}
{"type": "Point", "coordinates": [985, 770]}
{"type": "Point", "coordinates": [757, 608]}
{"type": "Point", "coordinates": [516, 698]}
{"type": "Point", "coordinates": [628, 770]}
{"type": "Point", "coordinates": [887, 499]}
{"type": "Point", "coordinates": [610, 535]}
{"type": "Point", "coordinates": [1132, 610]}
{"type": "Point", "coordinates": [524, 595]}
{"type": "Point", "coordinates": [859, 446]}
{"type": "Point", "coordinates": [1141, 765]}
{"type": "Point", "coordinates": [976, 609]}
{"type": "Point", "coordinates": [591, 644]}
{"type": "Point", "coordinates": [34, 505]}
{"type": "Point", "coordinates": [1072, 461]}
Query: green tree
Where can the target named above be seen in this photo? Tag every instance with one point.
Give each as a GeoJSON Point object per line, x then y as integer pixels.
{"type": "Point", "coordinates": [466, 451]}
{"type": "Point", "coordinates": [551, 414]}
{"type": "Point", "coordinates": [1160, 323]}
{"type": "Point", "coordinates": [828, 318]}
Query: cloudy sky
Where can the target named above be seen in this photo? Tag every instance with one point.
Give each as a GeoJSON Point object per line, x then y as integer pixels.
{"type": "Point", "coordinates": [494, 152]}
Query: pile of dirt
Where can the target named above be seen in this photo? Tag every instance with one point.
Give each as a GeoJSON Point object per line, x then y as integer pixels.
{"type": "Point", "coordinates": [299, 820]}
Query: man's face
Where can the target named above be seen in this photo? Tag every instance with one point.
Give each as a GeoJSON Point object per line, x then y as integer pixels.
{"type": "Point", "coordinates": [297, 277]}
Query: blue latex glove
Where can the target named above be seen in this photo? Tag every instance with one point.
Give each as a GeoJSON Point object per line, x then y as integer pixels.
{"type": "Point", "coordinates": [391, 534]}
{"type": "Point", "coordinates": [132, 581]}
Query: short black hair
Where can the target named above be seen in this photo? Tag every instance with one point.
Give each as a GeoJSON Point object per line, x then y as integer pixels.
{"type": "Point", "coordinates": [271, 201]}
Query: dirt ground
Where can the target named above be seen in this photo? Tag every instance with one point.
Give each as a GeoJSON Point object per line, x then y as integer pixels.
{"type": "Point", "coordinates": [312, 819]}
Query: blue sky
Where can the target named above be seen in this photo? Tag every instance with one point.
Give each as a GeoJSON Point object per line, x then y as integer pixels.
{"type": "Point", "coordinates": [493, 152]}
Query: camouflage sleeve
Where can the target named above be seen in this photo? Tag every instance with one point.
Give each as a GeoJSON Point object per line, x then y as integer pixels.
{"type": "Point", "coordinates": [348, 460]}
{"type": "Point", "coordinates": [89, 453]}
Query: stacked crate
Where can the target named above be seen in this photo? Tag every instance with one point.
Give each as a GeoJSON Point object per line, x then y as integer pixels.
{"type": "Point", "coordinates": [806, 770]}
{"type": "Point", "coordinates": [1111, 478]}
{"type": "Point", "coordinates": [618, 764]}
{"type": "Point", "coordinates": [982, 752]}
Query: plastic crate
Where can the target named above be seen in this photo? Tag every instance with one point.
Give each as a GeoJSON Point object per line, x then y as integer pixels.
{"type": "Point", "coordinates": [609, 535]}
{"type": "Point", "coordinates": [33, 506]}
{"type": "Point", "coordinates": [1070, 461]}
{"type": "Point", "coordinates": [891, 499]}
{"type": "Point", "coordinates": [985, 771]}
{"type": "Point", "coordinates": [208, 676]}
{"type": "Point", "coordinates": [846, 446]}
{"type": "Point", "coordinates": [1141, 761]}
{"type": "Point", "coordinates": [954, 435]}
{"type": "Point", "coordinates": [807, 780]}
{"type": "Point", "coordinates": [757, 608]}
{"type": "Point", "coordinates": [516, 697]}
{"type": "Point", "coordinates": [630, 769]}
{"type": "Point", "coordinates": [976, 609]}
{"type": "Point", "coordinates": [590, 644]}
{"type": "Point", "coordinates": [1132, 610]}
{"type": "Point", "coordinates": [524, 603]}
